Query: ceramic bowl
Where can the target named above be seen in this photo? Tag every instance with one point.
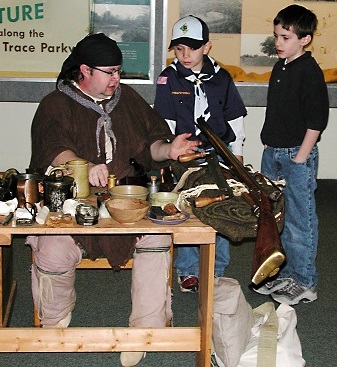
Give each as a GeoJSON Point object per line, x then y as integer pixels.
{"type": "Point", "coordinates": [128, 192]}
{"type": "Point", "coordinates": [162, 198]}
{"type": "Point", "coordinates": [127, 210]}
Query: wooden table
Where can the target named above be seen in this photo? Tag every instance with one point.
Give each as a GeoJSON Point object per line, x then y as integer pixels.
{"type": "Point", "coordinates": [110, 339]}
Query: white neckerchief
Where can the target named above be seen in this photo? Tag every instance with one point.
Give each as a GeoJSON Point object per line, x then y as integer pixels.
{"type": "Point", "coordinates": [200, 102]}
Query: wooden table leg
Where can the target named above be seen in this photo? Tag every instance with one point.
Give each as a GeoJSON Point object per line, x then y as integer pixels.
{"type": "Point", "coordinates": [206, 295]}
{"type": "Point", "coordinates": [7, 285]}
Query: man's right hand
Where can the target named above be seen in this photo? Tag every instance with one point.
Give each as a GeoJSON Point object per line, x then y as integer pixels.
{"type": "Point", "coordinates": [98, 174]}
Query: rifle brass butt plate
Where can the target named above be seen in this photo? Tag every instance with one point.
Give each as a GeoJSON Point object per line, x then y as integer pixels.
{"type": "Point", "coordinates": [269, 267]}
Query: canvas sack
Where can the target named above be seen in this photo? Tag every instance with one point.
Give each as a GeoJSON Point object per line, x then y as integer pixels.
{"type": "Point", "coordinates": [274, 341]}
{"type": "Point", "coordinates": [232, 322]}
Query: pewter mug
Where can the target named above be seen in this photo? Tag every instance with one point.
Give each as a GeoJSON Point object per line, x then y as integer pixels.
{"type": "Point", "coordinates": [57, 189]}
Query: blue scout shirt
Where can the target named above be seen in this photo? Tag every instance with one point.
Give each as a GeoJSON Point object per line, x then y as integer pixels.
{"type": "Point", "coordinates": [175, 100]}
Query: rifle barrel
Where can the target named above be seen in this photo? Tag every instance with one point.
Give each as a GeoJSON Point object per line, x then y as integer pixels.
{"type": "Point", "coordinates": [268, 254]}
{"type": "Point", "coordinates": [227, 155]}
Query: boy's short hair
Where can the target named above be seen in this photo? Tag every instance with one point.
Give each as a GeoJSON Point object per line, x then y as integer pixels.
{"type": "Point", "coordinates": [302, 20]}
{"type": "Point", "coordinates": [190, 31]}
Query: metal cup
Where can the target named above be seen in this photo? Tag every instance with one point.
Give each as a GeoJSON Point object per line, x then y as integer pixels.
{"type": "Point", "coordinates": [27, 188]}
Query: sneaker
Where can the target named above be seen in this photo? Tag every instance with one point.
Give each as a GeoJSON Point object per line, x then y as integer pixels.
{"type": "Point", "coordinates": [293, 293]}
{"type": "Point", "coordinates": [188, 283]}
{"type": "Point", "coordinates": [273, 286]}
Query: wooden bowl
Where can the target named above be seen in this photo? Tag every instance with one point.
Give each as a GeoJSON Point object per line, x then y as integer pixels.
{"type": "Point", "coordinates": [127, 210]}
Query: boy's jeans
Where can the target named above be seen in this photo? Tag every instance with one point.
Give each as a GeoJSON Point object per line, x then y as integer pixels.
{"type": "Point", "coordinates": [300, 234]}
{"type": "Point", "coordinates": [187, 261]}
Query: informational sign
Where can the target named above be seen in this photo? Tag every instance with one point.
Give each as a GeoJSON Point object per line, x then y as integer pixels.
{"type": "Point", "coordinates": [37, 36]}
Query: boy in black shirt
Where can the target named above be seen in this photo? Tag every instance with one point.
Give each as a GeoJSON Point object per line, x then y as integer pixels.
{"type": "Point", "coordinates": [297, 113]}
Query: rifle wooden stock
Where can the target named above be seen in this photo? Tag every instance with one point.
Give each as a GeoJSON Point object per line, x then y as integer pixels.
{"type": "Point", "coordinates": [268, 254]}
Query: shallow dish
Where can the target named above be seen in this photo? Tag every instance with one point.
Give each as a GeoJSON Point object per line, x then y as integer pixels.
{"type": "Point", "coordinates": [169, 222]}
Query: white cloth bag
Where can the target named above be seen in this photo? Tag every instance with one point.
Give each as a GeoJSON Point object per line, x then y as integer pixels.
{"type": "Point", "coordinates": [232, 321]}
{"type": "Point", "coordinates": [274, 340]}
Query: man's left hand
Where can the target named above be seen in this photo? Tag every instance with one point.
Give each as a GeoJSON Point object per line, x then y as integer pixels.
{"type": "Point", "coordinates": [98, 174]}
{"type": "Point", "coordinates": [181, 145]}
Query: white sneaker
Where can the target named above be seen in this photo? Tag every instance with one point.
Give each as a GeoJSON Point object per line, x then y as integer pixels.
{"type": "Point", "coordinates": [129, 359]}
{"type": "Point", "coordinates": [273, 286]}
{"type": "Point", "coordinates": [293, 293]}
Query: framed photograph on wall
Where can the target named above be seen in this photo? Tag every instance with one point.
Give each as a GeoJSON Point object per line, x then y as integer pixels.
{"type": "Point", "coordinates": [128, 22]}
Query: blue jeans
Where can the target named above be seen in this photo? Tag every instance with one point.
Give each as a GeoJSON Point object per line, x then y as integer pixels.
{"type": "Point", "coordinates": [187, 260]}
{"type": "Point", "coordinates": [300, 233]}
